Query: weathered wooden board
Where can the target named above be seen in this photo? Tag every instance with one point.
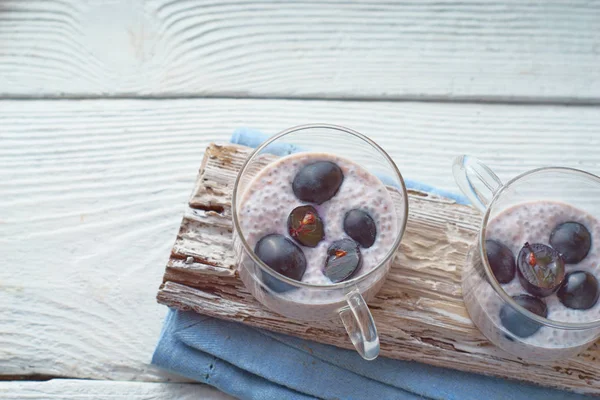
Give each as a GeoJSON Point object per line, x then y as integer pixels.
{"type": "Point", "coordinates": [92, 193]}
{"type": "Point", "coordinates": [468, 49]}
{"type": "Point", "coordinates": [67, 389]}
{"type": "Point", "coordinates": [419, 312]}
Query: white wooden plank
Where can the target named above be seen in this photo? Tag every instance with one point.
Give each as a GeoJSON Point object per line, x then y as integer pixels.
{"type": "Point", "coordinates": [467, 49]}
{"type": "Point", "coordinates": [106, 390]}
{"type": "Point", "coordinates": [92, 194]}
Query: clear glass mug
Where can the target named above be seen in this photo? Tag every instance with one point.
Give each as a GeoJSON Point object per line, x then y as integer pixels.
{"type": "Point", "coordinates": [482, 293]}
{"type": "Point", "coordinates": [310, 302]}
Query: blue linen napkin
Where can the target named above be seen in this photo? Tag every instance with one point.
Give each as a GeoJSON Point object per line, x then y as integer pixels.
{"type": "Point", "coordinates": [251, 363]}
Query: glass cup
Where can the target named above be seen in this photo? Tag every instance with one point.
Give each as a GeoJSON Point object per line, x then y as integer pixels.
{"type": "Point", "coordinates": [311, 302]}
{"type": "Point", "coordinates": [483, 295]}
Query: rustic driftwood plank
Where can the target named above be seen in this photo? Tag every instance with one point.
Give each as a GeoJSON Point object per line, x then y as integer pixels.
{"type": "Point", "coordinates": [419, 311]}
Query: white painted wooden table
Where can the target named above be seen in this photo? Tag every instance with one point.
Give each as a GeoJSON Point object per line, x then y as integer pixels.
{"type": "Point", "coordinates": [106, 107]}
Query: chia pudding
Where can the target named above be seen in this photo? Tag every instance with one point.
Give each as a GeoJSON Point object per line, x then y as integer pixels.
{"type": "Point", "coordinates": [545, 256]}
{"type": "Point", "coordinates": [319, 219]}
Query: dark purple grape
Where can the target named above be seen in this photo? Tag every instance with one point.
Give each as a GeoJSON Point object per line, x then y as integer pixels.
{"type": "Point", "coordinates": [305, 226]}
{"type": "Point", "coordinates": [572, 240]}
{"type": "Point", "coordinates": [579, 290]}
{"type": "Point", "coordinates": [502, 261]}
{"type": "Point", "coordinates": [541, 269]}
{"type": "Point", "coordinates": [283, 256]}
{"type": "Point", "coordinates": [360, 226]}
{"type": "Point", "coordinates": [343, 259]}
{"type": "Point", "coordinates": [318, 182]}
{"type": "Point", "coordinates": [518, 324]}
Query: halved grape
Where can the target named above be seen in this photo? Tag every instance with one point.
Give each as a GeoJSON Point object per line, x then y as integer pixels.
{"type": "Point", "coordinates": [343, 260]}
{"type": "Point", "coordinates": [541, 269]}
{"type": "Point", "coordinates": [305, 226]}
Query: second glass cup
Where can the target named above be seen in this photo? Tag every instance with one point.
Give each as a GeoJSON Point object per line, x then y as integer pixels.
{"type": "Point", "coordinates": [315, 301]}
{"type": "Point", "coordinates": [533, 322]}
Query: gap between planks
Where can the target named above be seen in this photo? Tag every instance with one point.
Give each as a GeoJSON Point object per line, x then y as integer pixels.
{"type": "Point", "coordinates": [522, 101]}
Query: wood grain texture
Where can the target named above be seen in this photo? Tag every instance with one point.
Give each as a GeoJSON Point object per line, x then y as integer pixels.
{"type": "Point", "coordinates": [92, 194]}
{"type": "Point", "coordinates": [105, 390]}
{"type": "Point", "coordinates": [509, 50]}
{"type": "Point", "coordinates": [419, 311]}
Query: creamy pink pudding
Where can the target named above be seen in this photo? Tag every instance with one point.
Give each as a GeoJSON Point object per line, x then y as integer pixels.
{"type": "Point", "coordinates": [339, 231]}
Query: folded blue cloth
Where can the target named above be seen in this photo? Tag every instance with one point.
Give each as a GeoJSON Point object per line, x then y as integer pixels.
{"type": "Point", "coordinates": [251, 363]}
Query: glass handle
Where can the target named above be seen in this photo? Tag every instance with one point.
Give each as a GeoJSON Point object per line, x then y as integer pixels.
{"type": "Point", "coordinates": [476, 180]}
{"type": "Point", "coordinates": [360, 326]}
